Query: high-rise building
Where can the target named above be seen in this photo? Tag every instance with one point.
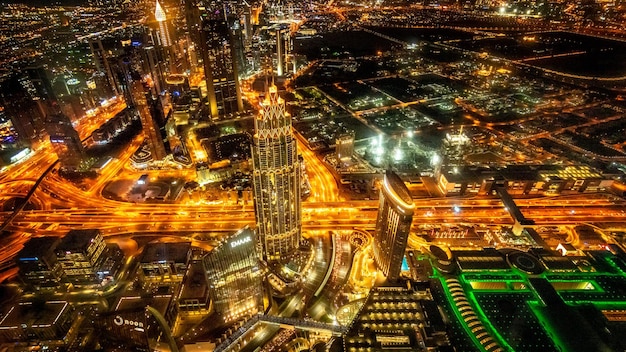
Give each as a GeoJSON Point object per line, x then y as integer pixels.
{"type": "Point", "coordinates": [283, 48]}
{"type": "Point", "coordinates": [152, 66]}
{"type": "Point", "coordinates": [150, 127]}
{"type": "Point", "coordinates": [235, 277]}
{"type": "Point", "coordinates": [80, 255]}
{"type": "Point", "coordinates": [395, 215]}
{"type": "Point", "coordinates": [24, 113]}
{"type": "Point", "coordinates": [65, 140]}
{"type": "Point", "coordinates": [38, 263]}
{"type": "Point", "coordinates": [102, 65]}
{"type": "Point", "coordinates": [276, 179]}
{"type": "Point", "coordinates": [220, 66]}
{"type": "Point", "coordinates": [164, 32]}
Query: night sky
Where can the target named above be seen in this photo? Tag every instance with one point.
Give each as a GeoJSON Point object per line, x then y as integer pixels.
{"type": "Point", "coordinates": [45, 2]}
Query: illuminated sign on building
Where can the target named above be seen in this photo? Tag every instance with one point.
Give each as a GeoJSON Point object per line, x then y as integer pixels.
{"type": "Point", "coordinates": [240, 241]}
{"type": "Point", "coordinates": [119, 321]}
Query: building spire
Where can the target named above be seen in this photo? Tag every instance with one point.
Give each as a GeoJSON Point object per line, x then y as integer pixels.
{"type": "Point", "coordinates": [159, 13]}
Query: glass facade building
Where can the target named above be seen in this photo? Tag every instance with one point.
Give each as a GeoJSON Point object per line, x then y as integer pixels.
{"type": "Point", "coordinates": [220, 66]}
{"type": "Point", "coordinates": [393, 224]}
{"type": "Point", "coordinates": [276, 180]}
{"type": "Point", "coordinates": [234, 276]}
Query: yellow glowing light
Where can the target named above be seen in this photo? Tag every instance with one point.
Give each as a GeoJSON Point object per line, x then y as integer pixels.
{"type": "Point", "coordinates": [159, 13]}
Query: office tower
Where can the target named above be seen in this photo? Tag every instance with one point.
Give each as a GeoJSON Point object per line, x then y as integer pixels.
{"type": "Point", "coordinates": [80, 255]}
{"type": "Point", "coordinates": [276, 179]}
{"type": "Point", "coordinates": [234, 276]}
{"type": "Point", "coordinates": [152, 66]}
{"type": "Point", "coordinates": [344, 147]}
{"type": "Point", "coordinates": [38, 264]}
{"type": "Point", "coordinates": [220, 66]}
{"type": "Point", "coordinates": [454, 148]}
{"type": "Point", "coordinates": [164, 32]}
{"type": "Point", "coordinates": [395, 215]}
{"type": "Point", "coordinates": [150, 127]}
{"type": "Point", "coordinates": [283, 47]}
{"type": "Point", "coordinates": [65, 140]}
{"type": "Point", "coordinates": [102, 65]}
{"type": "Point", "coordinates": [24, 113]}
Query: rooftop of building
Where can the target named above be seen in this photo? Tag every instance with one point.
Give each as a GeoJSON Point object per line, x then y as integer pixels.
{"type": "Point", "coordinates": [169, 252]}
{"type": "Point", "coordinates": [37, 246]}
{"type": "Point", "coordinates": [77, 239]}
{"type": "Point", "coordinates": [520, 173]}
{"type": "Point", "coordinates": [195, 284]}
{"type": "Point", "coordinates": [397, 189]}
{"type": "Point", "coordinates": [35, 315]}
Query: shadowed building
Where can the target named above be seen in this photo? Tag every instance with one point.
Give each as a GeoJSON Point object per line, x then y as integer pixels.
{"type": "Point", "coordinates": [276, 180]}
{"type": "Point", "coordinates": [395, 215]}
{"type": "Point", "coordinates": [149, 124]}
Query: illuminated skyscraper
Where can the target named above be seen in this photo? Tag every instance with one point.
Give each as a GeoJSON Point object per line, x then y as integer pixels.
{"type": "Point", "coordinates": [395, 215]}
{"type": "Point", "coordinates": [164, 32]}
{"type": "Point", "coordinates": [150, 127]}
{"type": "Point", "coordinates": [220, 66]}
{"type": "Point", "coordinates": [234, 276]}
{"type": "Point", "coordinates": [276, 179]}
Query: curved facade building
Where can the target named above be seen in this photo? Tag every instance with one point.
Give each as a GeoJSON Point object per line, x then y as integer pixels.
{"type": "Point", "coordinates": [235, 277]}
{"type": "Point", "coordinates": [276, 180]}
{"type": "Point", "coordinates": [395, 215]}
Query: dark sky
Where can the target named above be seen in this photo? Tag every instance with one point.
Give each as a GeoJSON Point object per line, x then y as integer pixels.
{"type": "Point", "coordinates": [45, 2]}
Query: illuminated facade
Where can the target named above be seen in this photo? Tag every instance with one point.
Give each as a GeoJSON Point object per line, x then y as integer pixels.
{"type": "Point", "coordinates": [276, 180]}
{"type": "Point", "coordinates": [220, 67]}
{"type": "Point", "coordinates": [234, 276]}
{"type": "Point", "coordinates": [344, 147]}
{"type": "Point", "coordinates": [395, 215]}
{"type": "Point", "coordinates": [164, 33]}
{"type": "Point", "coordinates": [80, 255]}
{"type": "Point", "coordinates": [150, 127]}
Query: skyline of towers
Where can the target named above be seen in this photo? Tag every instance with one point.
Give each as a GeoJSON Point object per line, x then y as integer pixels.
{"type": "Point", "coordinates": [276, 179]}
{"type": "Point", "coordinates": [393, 223]}
{"type": "Point", "coordinates": [235, 277]}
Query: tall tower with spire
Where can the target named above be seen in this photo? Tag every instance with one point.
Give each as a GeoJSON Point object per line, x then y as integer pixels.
{"type": "Point", "coordinates": [276, 180]}
{"type": "Point", "coordinates": [164, 33]}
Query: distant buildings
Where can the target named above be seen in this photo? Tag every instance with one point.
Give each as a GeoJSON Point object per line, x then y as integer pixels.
{"type": "Point", "coordinates": [235, 277]}
{"type": "Point", "coordinates": [395, 215]}
{"type": "Point", "coordinates": [276, 180]}
{"type": "Point", "coordinates": [522, 179]}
